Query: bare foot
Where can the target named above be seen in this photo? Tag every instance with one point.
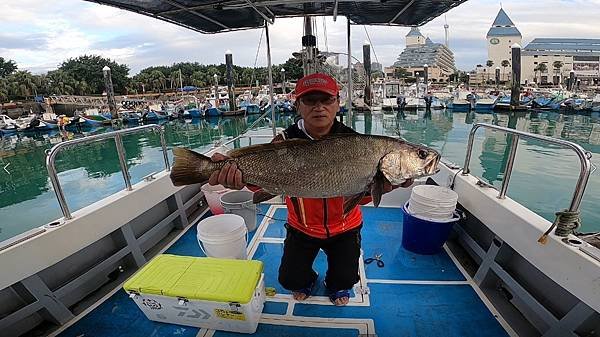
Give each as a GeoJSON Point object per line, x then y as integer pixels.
{"type": "Point", "coordinates": [341, 301]}
{"type": "Point", "coordinates": [298, 296]}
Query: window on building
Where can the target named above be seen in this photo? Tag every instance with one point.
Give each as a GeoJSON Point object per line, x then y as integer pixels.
{"type": "Point", "coordinates": [535, 56]}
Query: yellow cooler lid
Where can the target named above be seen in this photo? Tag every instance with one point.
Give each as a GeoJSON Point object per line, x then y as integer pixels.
{"type": "Point", "coordinates": [199, 278]}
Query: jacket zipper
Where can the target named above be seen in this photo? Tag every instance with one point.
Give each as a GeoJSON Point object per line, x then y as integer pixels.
{"type": "Point", "coordinates": [325, 217]}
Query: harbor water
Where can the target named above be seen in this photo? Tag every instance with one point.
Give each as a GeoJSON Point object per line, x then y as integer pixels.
{"type": "Point", "coordinates": [543, 180]}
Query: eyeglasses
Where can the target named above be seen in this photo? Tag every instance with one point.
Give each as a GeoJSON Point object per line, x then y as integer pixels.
{"type": "Point", "coordinates": [314, 100]}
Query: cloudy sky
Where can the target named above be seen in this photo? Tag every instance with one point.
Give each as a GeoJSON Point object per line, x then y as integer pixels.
{"type": "Point", "coordinates": [40, 34]}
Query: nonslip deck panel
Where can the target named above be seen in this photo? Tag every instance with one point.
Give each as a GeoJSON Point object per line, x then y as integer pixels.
{"type": "Point", "coordinates": [449, 307]}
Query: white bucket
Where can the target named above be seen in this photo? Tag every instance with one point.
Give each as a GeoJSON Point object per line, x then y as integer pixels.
{"type": "Point", "coordinates": [213, 194]}
{"type": "Point", "coordinates": [432, 202]}
{"type": "Point", "coordinates": [240, 203]}
{"type": "Point", "coordinates": [223, 236]}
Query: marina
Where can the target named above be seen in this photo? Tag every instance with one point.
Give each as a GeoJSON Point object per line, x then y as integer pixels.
{"type": "Point", "coordinates": [466, 205]}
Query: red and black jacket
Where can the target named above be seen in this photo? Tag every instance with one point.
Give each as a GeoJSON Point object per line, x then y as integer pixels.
{"type": "Point", "coordinates": [321, 217]}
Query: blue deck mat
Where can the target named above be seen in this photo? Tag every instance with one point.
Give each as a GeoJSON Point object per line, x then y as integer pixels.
{"type": "Point", "coordinates": [418, 311]}
{"type": "Point", "coordinates": [396, 309]}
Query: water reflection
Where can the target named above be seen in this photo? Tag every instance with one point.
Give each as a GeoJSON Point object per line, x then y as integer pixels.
{"type": "Point", "coordinates": [543, 176]}
{"type": "Point", "coordinates": [91, 172]}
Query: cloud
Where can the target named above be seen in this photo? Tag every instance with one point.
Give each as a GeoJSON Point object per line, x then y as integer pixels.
{"type": "Point", "coordinates": [39, 35]}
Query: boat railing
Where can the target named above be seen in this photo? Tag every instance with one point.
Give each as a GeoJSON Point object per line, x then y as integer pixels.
{"type": "Point", "coordinates": [118, 137]}
{"type": "Point", "coordinates": [583, 155]}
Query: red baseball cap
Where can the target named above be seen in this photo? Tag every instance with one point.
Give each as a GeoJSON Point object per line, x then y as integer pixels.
{"type": "Point", "coordinates": [316, 82]}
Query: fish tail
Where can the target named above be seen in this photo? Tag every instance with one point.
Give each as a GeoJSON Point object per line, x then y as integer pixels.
{"type": "Point", "coordinates": [190, 167]}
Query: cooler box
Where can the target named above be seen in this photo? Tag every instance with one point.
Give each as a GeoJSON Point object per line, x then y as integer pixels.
{"type": "Point", "coordinates": [204, 292]}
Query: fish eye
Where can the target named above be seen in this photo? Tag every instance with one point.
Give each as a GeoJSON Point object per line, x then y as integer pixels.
{"type": "Point", "coordinates": [422, 153]}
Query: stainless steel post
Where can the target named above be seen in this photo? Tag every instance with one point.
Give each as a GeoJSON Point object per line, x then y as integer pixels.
{"type": "Point", "coordinates": [349, 81]}
{"type": "Point", "coordinates": [270, 79]}
{"type": "Point", "coordinates": [509, 166]}
{"type": "Point", "coordinates": [123, 161]}
{"type": "Point", "coordinates": [53, 174]}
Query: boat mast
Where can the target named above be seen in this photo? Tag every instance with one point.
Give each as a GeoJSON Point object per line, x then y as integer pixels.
{"type": "Point", "coordinates": [271, 100]}
{"type": "Point", "coordinates": [309, 44]}
{"type": "Point", "coordinates": [349, 81]}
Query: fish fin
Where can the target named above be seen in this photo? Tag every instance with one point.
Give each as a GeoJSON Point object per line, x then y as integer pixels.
{"type": "Point", "coordinates": [190, 167]}
{"type": "Point", "coordinates": [261, 196]}
{"type": "Point", "coordinates": [352, 201]}
{"type": "Point", "coordinates": [266, 147]}
{"type": "Point", "coordinates": [377, 188]}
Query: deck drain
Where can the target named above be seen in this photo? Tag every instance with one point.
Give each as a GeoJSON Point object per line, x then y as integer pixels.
{"type": "Point", "coordinates": [572, 242]}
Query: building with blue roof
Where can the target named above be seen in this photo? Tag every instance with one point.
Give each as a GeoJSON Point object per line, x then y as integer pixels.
{"type": "Point", "coordinates": [561, 55]}
{"type": "Point", "coordinates": [500, 37]}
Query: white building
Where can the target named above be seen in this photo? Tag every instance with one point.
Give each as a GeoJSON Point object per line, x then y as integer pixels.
{"type": "Point", "coordinates": [421, 51]}
{"type": "Point", "coordinates": [500, 38]}
{"type": "Point", "coordinates": [580, 55]}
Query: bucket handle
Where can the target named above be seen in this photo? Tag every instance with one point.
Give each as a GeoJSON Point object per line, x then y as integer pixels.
{"type": "Point", "coordinates": [241, 205]}
{"type": "Point", "coordinates": [202, 247]}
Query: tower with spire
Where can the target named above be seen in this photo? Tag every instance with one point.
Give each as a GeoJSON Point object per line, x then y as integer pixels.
{"type": "Point", "coordinates": [501, 36]}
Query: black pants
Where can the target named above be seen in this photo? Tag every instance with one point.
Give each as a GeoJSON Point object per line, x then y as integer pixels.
{"type": "Point", "coordinates": [300, 251]}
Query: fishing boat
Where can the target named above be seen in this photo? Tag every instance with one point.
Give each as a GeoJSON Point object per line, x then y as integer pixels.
{"type": "Point", "coordinates": [8, 126]}
{"type": "Point", "coordinates": [493, 278]}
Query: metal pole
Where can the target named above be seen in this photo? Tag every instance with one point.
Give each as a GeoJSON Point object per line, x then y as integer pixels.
{"type": "Point", "coordinates": [60, 195]}
{"type": "Point", "coordinates": [515, 91]}
{"type": "Point", "coordinates": [466, 170]}
{"type": "Point", "coordinates": [309, 44]}
{"type": "Point", "coordinates": [509, 166]}
{"type": "Point", "coordinates": [181, 83]}
{"type": "Point", "coordinates": [497, 78]}
{"type": "Point", "coordinates": [283, 80]}
{"type": "Point", "coordinates": [270, 79]}
{"type": "Point", "coordinates": [229, 71]}
{"type": "Point", "coordinates": [123, 161]}
{"type": "Point", "coordinates": [426, 71]}
{"type": "Point", "coordinates": [367, 66]}
{"type": "Point", "coordinates": [163, 144]}
{"type": "Point", "coordinates": [110, 92]}
{"type": "Point", "coordinates": [350, 84]}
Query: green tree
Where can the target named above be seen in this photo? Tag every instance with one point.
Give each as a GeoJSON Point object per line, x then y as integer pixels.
{"type": "Point", "coordinates": [3, 89]}
{"type": "Point", "coordinates": [541, 68]}
{"type": "Point", "coordinates": [293, 69]}
{"type": "Point", "coordinates": [400, 72]}
{"type": "Point", "coordinates": [88, 69]}
{"type": "Point", "coordinates": [21, 84]}
{"type": "Point", "coordinates": [504, 64]}
{"type": "Point", "coordinates": [489, 64]}
{"type": "Point", "coordinates": [7, 67]}
{"type": "Point", "coordinates": [557, 65]}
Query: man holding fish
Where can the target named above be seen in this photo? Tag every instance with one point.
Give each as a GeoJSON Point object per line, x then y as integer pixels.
{"type": "Point", "coordinates": [325, 170]}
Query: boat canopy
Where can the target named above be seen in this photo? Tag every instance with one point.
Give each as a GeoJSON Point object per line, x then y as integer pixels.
{"type": "Point", "coordinates": [214, 16]}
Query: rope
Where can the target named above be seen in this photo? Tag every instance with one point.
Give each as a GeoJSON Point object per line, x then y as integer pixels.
{"type": "Point", "coordinates": [566, 222]}
{"type": "Point", "coordinates": [371, 42]}
{"type": "Point", "coordinates": [325, 34]}
{"type": "Point", "coordinates": [256, 59]}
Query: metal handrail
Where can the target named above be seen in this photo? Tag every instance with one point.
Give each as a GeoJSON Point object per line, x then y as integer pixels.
{"type": "Point", "coordinates": [117, 135]}
{"type": "Point", "coordinates": [584, 159]}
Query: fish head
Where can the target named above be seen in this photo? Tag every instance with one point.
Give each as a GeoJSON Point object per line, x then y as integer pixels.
{"type": "Point", "coordinates": [408, 161]}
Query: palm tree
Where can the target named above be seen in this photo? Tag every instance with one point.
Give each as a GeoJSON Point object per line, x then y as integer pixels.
{"type": "Point", "coordinates": [504, 64]}
{"type": "Point", "coordinates": [489, 64]}
{"type": "Point", "coordinates": [542, 68]}
{"type": "Point", "coordinates": [557, 66]}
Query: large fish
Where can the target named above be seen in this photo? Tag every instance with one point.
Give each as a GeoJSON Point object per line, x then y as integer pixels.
{"type": "Point", "coordinates": [341, 165]}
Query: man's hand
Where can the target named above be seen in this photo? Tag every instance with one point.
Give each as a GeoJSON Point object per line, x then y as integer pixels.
{"type": "Point", "coordinates": [387, 187]}
{"type": "Point", "coordinates": [229, 176]}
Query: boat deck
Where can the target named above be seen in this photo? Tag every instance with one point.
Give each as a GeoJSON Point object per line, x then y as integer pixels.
{"type": "Point", "coordinates": [412, 295]}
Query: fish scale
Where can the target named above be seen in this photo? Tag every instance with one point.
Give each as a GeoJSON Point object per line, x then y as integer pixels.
{"type": "Point", "coordinates": [344, 165]}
